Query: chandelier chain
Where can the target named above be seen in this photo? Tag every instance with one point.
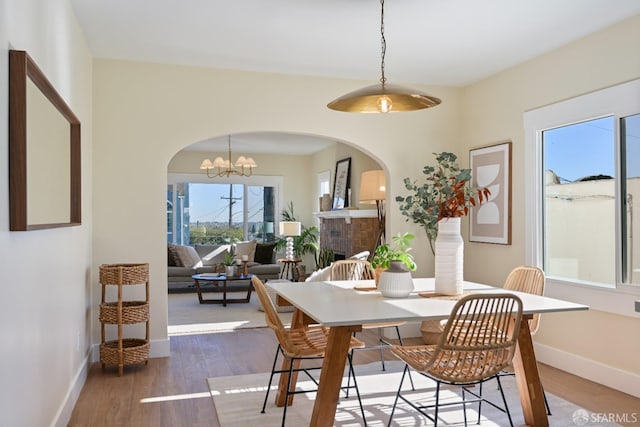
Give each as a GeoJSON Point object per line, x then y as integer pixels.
{"type": "Point", "coordinates": [383, 43]}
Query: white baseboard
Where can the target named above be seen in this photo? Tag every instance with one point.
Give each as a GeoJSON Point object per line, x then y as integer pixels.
{"type": "Point", "coordinates": [624, 381]}
{"type": "Point", "coordinates": [158, 348]}
{"type": "Point", "coordinates": [66, 408]}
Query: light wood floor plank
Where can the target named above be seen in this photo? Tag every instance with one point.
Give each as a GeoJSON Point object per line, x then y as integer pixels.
{"type": "Point", "coordinates": [108, 400]}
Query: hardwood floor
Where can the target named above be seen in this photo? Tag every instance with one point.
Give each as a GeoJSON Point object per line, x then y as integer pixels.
{"type": "Point", "coordinates": [173, 391]}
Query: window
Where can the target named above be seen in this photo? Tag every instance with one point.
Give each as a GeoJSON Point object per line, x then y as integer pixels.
{"type": "Point", "coordinates": [206, 212]}
{"type": "Point", "coordinates": [582, 174]}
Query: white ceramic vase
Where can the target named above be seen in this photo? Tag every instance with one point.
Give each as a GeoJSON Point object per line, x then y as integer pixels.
{"type": "Point", "coordinates": [230, 270]}
{"type": "Point", "coordinates": [449, 257]}
{"type": "Point", "coordinates": [396, 281]}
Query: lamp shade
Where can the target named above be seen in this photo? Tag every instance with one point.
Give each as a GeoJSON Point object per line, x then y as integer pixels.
{"type": "Point", "coordinates": [290, 228]}
{"type": "Point", "coordinates": [372, 186]}
{"type": "Point", "coordinates": [383, 98]}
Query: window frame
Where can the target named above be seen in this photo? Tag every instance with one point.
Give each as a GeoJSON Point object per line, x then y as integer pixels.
{"type": "Point", "coordinates": [618, 101]}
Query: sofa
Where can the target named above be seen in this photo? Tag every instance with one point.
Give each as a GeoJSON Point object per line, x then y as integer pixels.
{"type": "Point", "coordinates": [184, 261]}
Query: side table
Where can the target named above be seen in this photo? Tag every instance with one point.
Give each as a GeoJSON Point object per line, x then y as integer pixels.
{"type": "Point", "coordinates": [289, 265]}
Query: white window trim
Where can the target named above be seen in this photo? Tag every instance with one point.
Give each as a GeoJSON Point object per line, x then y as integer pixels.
{"type": "Point", "coordinates": [618, 101]}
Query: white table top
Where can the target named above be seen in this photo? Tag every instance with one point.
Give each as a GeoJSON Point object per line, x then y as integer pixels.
{"type": "Point", "coordinates": [338, 304]}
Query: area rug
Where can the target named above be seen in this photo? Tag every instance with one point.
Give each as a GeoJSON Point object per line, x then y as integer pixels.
{"type": "Point", "coordinates": [187, 316]}
{"type": "Point", "coordinates": [238, 400]}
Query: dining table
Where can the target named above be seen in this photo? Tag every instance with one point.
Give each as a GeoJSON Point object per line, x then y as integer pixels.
{"type": "Point", "coordinates": [344, 306]}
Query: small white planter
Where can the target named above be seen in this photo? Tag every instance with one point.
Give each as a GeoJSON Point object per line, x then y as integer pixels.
{"type": "Point", "coordinates": [396, 281]}
{"type": "Point", "coordinates": [230, 270]}
{"type": "Point", "coordinates": [449, 265]}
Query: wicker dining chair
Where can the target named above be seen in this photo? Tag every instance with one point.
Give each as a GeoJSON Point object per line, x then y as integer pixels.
{"type": "Point", "coordinates": [479, 340]}
{"type": "Point", "coordinates": [305, 343]}
{"type": "Point", "coordinates": [530, 280]}
{"type": "Point", "coordinates": [352, 269]}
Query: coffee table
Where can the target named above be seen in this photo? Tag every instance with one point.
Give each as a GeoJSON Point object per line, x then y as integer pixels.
{"type": "Point", "coordinates": [221, 279]}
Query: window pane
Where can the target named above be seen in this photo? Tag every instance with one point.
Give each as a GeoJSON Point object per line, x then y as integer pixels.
{"type": "Point", "coordinates": [579, 202]}
{"type": "Point", "coordinates": [215, 213]}
{"type": "Point", "coordinates": [630, 142]}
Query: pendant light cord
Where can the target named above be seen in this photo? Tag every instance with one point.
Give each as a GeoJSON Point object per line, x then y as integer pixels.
{"type": "Point", "coordinates": [383, 42]}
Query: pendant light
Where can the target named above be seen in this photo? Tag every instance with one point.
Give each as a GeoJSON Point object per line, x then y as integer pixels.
{"type": "Point", "coordinates": [383, 97]}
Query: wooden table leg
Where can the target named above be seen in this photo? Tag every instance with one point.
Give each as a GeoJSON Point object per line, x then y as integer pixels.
{"type": "Point", "coordinates": [528, 379]}
{"type": "Point", "coordinates": [198, 290]}
{"type": "Point", "coordinates": [324, 408]}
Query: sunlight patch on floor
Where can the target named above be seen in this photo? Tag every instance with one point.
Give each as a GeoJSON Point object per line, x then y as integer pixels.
{"type": "Point", "coordinates": [176, 397]}
{"type": "Point", "coordinates": [200, 328]}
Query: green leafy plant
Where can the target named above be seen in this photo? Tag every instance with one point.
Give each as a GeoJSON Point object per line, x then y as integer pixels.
{"type": "Point", "coordinates": [399, 251]}
{"type": "Point", "coordinates": [324, 257]}
{"type": "Point", "coordinates": [306, 242]}
{"type": "Point", "coordinates": [445, 193]}
{"type": "Point", "coordinates": [229, 259]}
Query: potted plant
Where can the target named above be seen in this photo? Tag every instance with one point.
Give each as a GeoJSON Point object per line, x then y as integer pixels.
{"type": "Point", "coordinates": [437, 205]}
{"type": "Point", "coordinates": [445, 193]}
{"type": "Point", "coordinates": [306, 242]}
{"type": "Point", "coordinates": [400, 251]}
{"type": "Point", "coordinates": [394, 264]}
{"type": "Point", "coordinates": [229, 263]}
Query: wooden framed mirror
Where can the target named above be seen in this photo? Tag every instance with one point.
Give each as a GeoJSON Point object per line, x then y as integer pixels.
{"type": "Point", "coordinates": [44, 151]}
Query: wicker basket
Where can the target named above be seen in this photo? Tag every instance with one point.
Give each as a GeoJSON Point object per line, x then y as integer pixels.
{"type": "Point", "coordinates": [135, 351]}
{"type": "Point", "coordinates": [124, 274]}
{"type": "Point", "coordinates": [132, 312]}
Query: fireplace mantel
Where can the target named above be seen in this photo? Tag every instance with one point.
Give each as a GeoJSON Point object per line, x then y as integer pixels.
{"type": "Point", "coordinates": [347, 214]}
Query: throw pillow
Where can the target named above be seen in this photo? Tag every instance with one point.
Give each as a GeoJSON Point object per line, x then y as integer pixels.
{"type": "Point", "coordinates": [188, 256]}
{"type": "Point", "coordinates": [321, 275]}
{"type": "Point", "coordinates": [246, 248]}
{"type": "Point", "coordinates": [264, 253]}
{"type": "Point", "coordinates": [173, 258]}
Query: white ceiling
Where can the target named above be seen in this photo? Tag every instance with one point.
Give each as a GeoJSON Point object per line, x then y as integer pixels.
{"type": "Point", "coordinates": [434, 42]}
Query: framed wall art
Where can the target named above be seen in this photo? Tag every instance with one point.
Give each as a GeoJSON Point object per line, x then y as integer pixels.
{"type": "Point", "coordinates": [341, 184]}
{"type": "Point", "coordinates": [490, 222]}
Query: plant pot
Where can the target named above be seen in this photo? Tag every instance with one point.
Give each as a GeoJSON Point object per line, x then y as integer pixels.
{"type": "Point", "coordinates": [396, 281]}
{"type": "Point", "coordinates": [230, 270]}
{"type": "Point", "coordinates": [449, 264]}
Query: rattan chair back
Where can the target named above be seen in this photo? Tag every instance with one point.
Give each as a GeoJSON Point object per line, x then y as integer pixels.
{"type": "Point", "coordinates": [529, 280]}
{"type": "Point", "coordinates": [271, 314]}
{"type": "Point", "coordinates": [352, 269]}
{"type": "Point", "coordinates": [479, 339]}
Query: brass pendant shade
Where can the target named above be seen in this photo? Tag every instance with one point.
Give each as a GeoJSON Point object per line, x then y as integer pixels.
{"type": "Point", "coordinates": [383, 98]}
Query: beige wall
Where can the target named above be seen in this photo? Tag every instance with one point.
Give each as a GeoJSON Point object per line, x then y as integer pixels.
{"type": "Point", "coordinates": [145, 113]}
{"type": "Point", "coordinates": [46, 275]}
{"type": "Point", "coordinates": [493, 111]}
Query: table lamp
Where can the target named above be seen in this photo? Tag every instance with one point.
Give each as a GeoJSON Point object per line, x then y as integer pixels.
{"type": "Point", "coordinates": [290, 229]}
{"type": "Point", "coordinates": [373, 190]}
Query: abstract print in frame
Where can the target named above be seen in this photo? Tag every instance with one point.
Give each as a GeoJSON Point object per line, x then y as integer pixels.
{"type": "Point", "coordinates": [490, 222]}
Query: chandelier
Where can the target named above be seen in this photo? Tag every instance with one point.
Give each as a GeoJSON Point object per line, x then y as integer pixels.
{"type": "Point", "coordinates": [220, 167]}
{"type": "Point", "coordinates": [383, 98]}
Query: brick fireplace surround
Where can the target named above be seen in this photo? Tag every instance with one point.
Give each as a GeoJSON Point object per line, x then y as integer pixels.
{"type": "Point", "coordinates": [348, 231]}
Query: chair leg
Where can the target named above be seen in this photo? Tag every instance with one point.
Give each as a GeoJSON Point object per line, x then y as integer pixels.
{"type": "Point", "coordinates": [355, 384]}
{"type": "Point", "coordinates": [413, 387]}
{"type": "Point", "coordinates": [480, 402]}
{"type": "Point", "coordinates": [464, 406]}
{"type": "Point", "coordinates": [504, 400]}
{"type": "Point", "coordinates": [435, 418]}
{"type": "Point", "coordinates": [273, 368]}
{"type": "Point", "coordinates": [546, 402]}
{"type": "Point", "coordinates": [286, 400]}
{"type": "Point", "coordinates": [380, 344]}
{"type": "Point", "coordinates": [395, 402]}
